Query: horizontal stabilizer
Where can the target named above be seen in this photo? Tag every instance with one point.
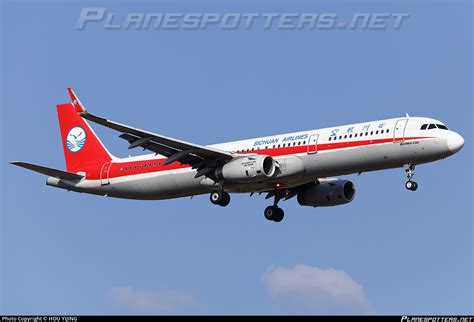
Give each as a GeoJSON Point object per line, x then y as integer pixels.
{"type": "Point", "coordinates": [60, 174]}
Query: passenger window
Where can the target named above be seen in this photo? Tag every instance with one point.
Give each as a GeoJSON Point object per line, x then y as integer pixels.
{"type": "Point", "coordinates": [423, 127]}
{"type": "Point", "coordinates": [366, 133]}
{"type": "Point", "coordinates": [355, 135]}
{"type": "Point", "coordinates": [345, 136]}
{"type": "Point", "coordinates": [304, 142]}
{"type": "Point", "coordinates": [294, 143]}
{"type": "Point", "coordinates": [432, 126]}
{"type": "Point", "coordinates": [387, 131]}
{"type": "Point", "coordinates": [340, 137]}
{"type": "Point", "coordinates": [350, 136]}
{"type": "Point", "coordinates": [330, 139]}
{"type": "Point", "coordinates": [376, 132]}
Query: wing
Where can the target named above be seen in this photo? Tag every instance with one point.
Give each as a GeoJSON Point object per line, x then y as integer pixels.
{"type": "Point", "coordinates": [175, 150]}
{"type": "Point", "coordinates": [48, 171]}
{"type": "Point", "coordinates": [199, 157]}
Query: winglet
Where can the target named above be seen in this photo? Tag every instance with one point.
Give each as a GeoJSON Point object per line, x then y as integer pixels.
{"type": "Point", "coordinates": [76, 102]}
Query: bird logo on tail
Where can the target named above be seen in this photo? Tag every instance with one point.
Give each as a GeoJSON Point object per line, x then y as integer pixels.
{"type": "Point", "coordinates": [76, 139]}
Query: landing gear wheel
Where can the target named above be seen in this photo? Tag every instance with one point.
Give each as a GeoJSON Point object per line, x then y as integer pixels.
{"type": "Point", "coordinates": [225, 199]}
{"type": "Point", "coordinates": [269, 212]}
{"type": "Point", "coordinates": [220, 198]}
{"type": "Point", "coordinates": [411, 185]}
{"type": "Point", "coordinates": [274, 213]}
{"type": "Point", "coordinates": [279, 215]}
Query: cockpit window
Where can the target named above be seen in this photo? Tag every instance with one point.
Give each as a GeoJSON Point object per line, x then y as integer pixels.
{"type": "Point", "coordinates": [423, 127]}
{"type": "Point", "coordinates": [432, 126]}
{"type": "Point", "coordinates": [442, 127]}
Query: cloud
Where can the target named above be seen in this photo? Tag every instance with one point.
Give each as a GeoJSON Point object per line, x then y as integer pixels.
{"type": "Point", "coordinates": [147, 302]}
{"type": "Point", "coordinates": [313, 290]}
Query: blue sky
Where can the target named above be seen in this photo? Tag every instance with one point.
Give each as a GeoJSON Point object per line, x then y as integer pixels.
{"type": "Point", "coordinates": [390, 251]}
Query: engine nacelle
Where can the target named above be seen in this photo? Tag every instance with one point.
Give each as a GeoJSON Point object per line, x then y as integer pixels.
{"type": "Point", "coordinates": [330, 193]}
{"type": "Point", "coordinates": [250, 168]}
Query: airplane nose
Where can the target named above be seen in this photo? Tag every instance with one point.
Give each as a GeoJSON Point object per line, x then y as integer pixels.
{"type": "Point", "coordinates": [455, 142]}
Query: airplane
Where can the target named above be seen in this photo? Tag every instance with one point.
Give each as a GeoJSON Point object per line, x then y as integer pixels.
{"type": "Point", "coordinates": [302, 164]}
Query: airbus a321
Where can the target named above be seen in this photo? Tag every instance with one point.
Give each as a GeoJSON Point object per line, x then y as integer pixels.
{"type": "Point", "coordinates": [302, 164]}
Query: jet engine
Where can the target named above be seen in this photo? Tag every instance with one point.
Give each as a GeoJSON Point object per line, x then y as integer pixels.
{"type": "Point", "coordinates": [329, 193]}
{"type": "Point", "coordinates": [245, 169]}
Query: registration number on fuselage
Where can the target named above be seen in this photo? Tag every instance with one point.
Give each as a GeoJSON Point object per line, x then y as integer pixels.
{"type": "Point", "coordinates": [410, 142]}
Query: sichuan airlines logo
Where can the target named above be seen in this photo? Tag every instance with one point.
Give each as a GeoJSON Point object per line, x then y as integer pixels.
{"type": "Point", "coordinates": [75, 139]}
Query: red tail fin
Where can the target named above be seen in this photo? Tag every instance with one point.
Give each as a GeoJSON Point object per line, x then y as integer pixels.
{"type": "Point", "coordinates": [82, 148]}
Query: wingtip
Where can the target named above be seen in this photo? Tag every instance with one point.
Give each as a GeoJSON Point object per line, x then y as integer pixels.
{"type": "Point", "coordinates": [75, 101]}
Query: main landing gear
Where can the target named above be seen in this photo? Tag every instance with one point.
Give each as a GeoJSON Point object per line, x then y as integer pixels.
{"type": "Point", "coordinates": [410, 184]}
{"type": "Point", "coordinates": [274, 213]}
{"type": "Point", "coordinates": [220, 197]}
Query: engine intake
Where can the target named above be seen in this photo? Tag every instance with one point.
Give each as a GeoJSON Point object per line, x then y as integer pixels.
{"type": "Point", "coordinates": [330, 193]}
{"type": "Point", "coordinates": [250, 168]}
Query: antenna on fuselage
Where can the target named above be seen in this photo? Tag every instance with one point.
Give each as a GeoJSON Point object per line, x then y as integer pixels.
{"type": "Point", "coordinates": [408, 116]}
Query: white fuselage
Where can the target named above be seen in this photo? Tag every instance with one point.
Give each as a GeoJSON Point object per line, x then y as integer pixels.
{"type": "Point", "coordinates": [302, 157]}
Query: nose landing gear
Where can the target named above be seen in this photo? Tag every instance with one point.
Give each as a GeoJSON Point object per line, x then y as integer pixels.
{"type": "Point", "coordinates": [410, 184]}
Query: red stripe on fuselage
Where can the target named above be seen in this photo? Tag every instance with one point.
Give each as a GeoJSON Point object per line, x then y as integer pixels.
{"type": "Point", "coordinates": [157, 165]}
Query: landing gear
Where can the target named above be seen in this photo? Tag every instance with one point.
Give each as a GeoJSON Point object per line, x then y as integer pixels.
{"type": "Point", "coordinates": [220, 198]}
{"type": "Point", "coordinates": [274, 213]}
{"type": "Point", "coordinates": [410, 184]}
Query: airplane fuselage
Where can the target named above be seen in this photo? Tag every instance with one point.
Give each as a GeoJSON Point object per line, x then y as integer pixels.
{"type": "Point", "coordinates": [302, 157]}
